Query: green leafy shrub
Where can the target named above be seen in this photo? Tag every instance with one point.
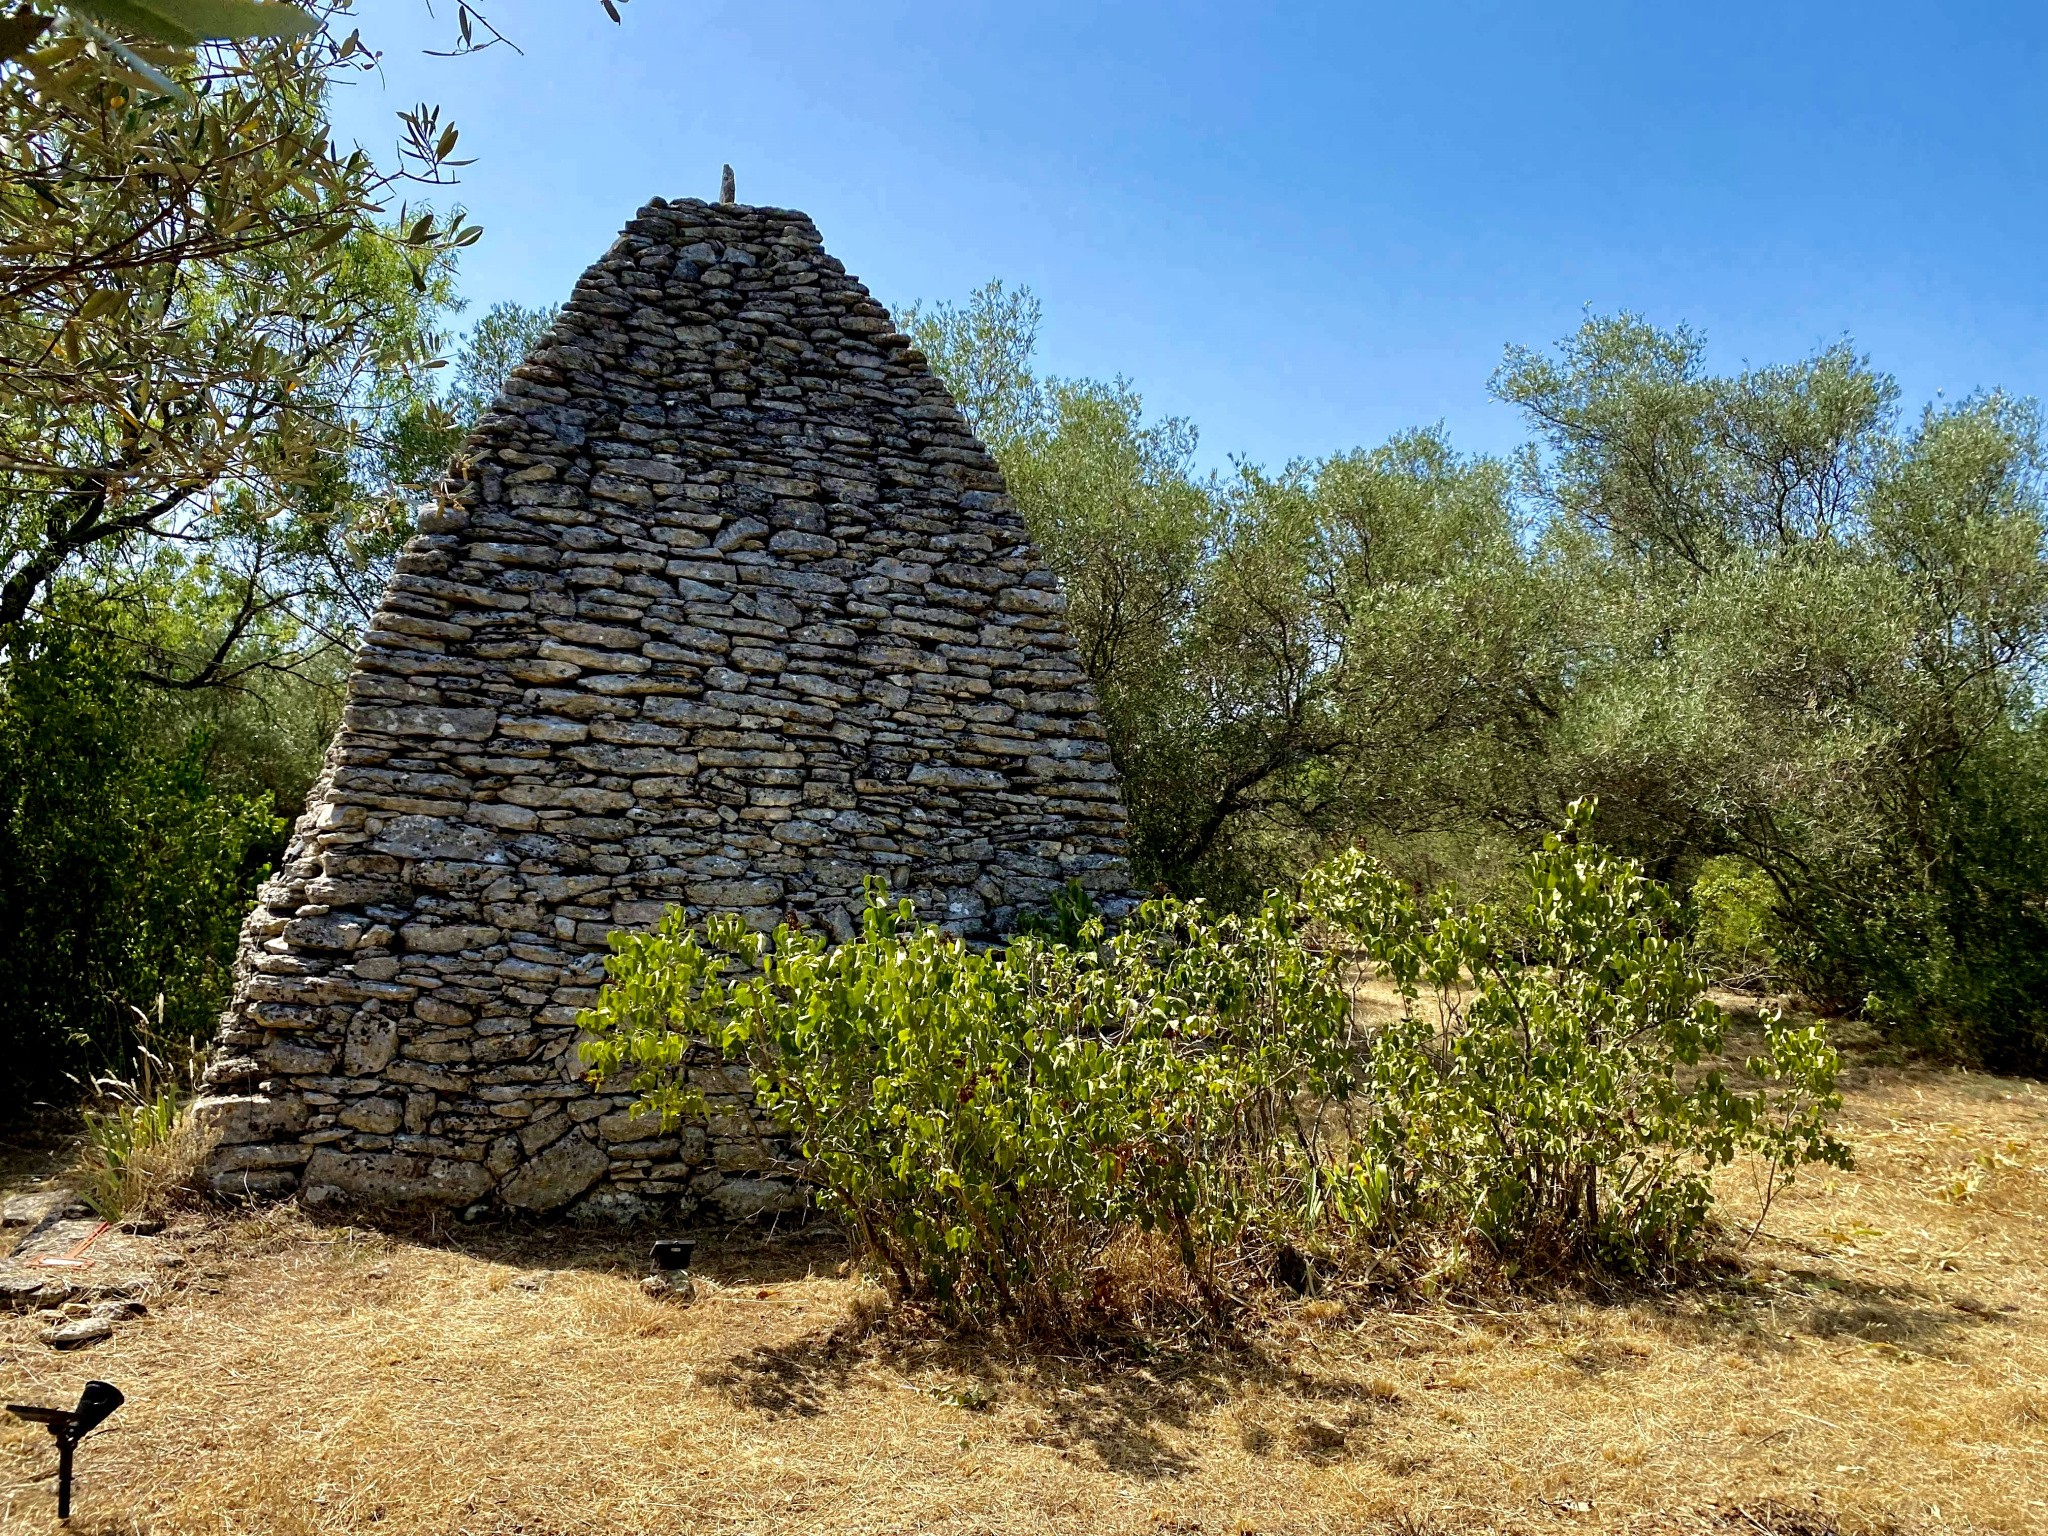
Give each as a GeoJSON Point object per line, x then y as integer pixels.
{"type": "Point", "coordinates": [125, 870]}
{"type": "Point", "coordinates": [990, 1124]}
{"type": "Point", "coordinates": [1066, 920]}
{"type": "Point", "coordinates": [993, 1126]}
{"type": "Point", "coordinates": [1946, 952]}
{"type": "Point", "coordinates": [1553, 1096]}
{"type": "Point", "coordinates": [1733, 903]}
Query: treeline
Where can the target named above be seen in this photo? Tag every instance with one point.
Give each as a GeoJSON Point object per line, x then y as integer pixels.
{"type": "Point", "coordinates": [223, 391]}
{"type": "Point", "coordinates": [1791, 638]}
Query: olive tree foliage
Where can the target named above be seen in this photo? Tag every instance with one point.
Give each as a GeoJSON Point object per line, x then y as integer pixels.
{"type": "Point", "coordinates": [208, 309]}
{"type": "Point", "coordinates": [499, 342]}
{"type": "Point", "coordinates": [220, 331]}
{"type": "Point", "coordinates": [1810, 633]}
{"type": "Point", "coordinates": [1277, 655]}
{"type": "Point", "coordinates": [219, 336]}
{"type": "Point", "coordinates": [217, 323]}
{"type": "Point", "coordinates": [1793, 638]}
{"type": "Point", "coordinates": [1381, 648]}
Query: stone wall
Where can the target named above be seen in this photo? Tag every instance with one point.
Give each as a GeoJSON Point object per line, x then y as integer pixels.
{"type": "Point", "coordinates": [726, 608]}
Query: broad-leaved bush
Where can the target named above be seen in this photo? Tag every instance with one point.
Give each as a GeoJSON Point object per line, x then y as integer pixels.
{"type": "Point", "coordinates": [1550, 1087]}
{"type": "Point", "coordinates": [991, 1125]}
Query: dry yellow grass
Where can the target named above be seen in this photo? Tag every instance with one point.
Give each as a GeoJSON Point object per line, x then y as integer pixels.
{"type": "Point", "coordinates": [148, 1180]}
{"type": "Point", "coordinates": [1878, 1361]}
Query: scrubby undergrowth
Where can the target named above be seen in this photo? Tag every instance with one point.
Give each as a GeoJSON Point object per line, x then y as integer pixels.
{"type": "Point", "coordinates": [1073, 1135]}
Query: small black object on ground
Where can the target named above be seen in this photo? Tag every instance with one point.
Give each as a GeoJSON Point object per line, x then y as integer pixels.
{"type": "Point", "coordinates": [69, 1426]}
{"type": "Point", "coordinates": [672, 1253]}
{"type": "Point", "coordinates": [1291, 1268]}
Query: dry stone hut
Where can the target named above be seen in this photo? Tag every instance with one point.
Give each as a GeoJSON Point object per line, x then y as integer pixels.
{"type": "Point", "coordinates": [725, 608]}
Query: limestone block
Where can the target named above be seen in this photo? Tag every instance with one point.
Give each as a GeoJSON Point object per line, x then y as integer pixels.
{"type": "Point", "coordinates": [325, 932]}
{"type": "Point", "coordinates": [435, 1011]}
{"type": "Point", "coordinates": [422, 720]}
{"type": "Point", "coordinates": [434, 939]}
{"type": "Point", "coordinates": [379, 1116]}
{"type": "Point", "coordinates": [626, 1126]}
{"type": "Point", "coordinates": [612, 1208]}
{"type": "Point", "coordinates": [434, 837]}
{"type": "Point", "coordinates": [557, 1176]}
{"type": "Point", "coordinates": [295, 1059]}
{"type": "Point", "coordinates": [253, 1155]}
{"type": "Point", "coordinates": [419, 1112]}
{"type": "Point", "coordinates": [397, 1178]}
{"type": "Point", "coordinates": [235, 1118]}
{"type": "Point", "coordinates": [732, 894]}
{"type": "Point", "coordinates": [744, 1199]}
{"type": "Point", "coordinates": [370, 1045]}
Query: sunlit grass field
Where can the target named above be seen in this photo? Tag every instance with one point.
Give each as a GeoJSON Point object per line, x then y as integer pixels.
{"type": "Point", "coordinates": [1875, 1360]}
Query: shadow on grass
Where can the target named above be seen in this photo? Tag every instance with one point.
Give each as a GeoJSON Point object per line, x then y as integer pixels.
{"type": "Point", "coordinates": [1129, 1405]}
{"type": "Point", "coordinates": [735, 1256]}
{"type": "Point", "coordinates": [1124, 1406]}
{"type": "Point", "coordinates": [1770, 1318]}
{"type": "Point", "coordinates": [1119, 1410]}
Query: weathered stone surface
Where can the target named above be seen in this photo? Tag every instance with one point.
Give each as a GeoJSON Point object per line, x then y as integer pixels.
{"type": "Point", "coordinates": [236, 1118]}
{"type": "Point", "coordinates": [379, 1116]}
{"type": "Point", "coordinates": [727, 609]}
{"type": "Point", "coordinates": [32, 1207]}
{"type": "Point", "coordinates": [369, 1042]}
{"type": "Point", "coordinates": [124, 1266]}
{"type": "Point", "coordinates": [21, 1291]}
{"type": "Point", "coordinates": [397, 1178]}
{"type": "Point", "coordinates": [80, 1331]}
{"type": "Point", "coordinates": [744, 1199]}
{"type": "Point", "coordinates": [557, 1176]}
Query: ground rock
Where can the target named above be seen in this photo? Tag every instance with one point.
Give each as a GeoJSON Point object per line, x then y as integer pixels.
{"type": "Point", "coordinates": [79, 1331]}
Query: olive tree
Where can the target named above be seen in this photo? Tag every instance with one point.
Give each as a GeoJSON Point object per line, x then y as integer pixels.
{"type": "Point", "coordinates": [1286, 662]}
{"type": "Point", "coordinates": [1810, 633]}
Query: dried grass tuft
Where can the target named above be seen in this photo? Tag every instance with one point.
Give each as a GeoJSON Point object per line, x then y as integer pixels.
{"type": "Point", "coordinates": [866, 1309]}
{"type": "Point", "coordinates": [148, 1180]}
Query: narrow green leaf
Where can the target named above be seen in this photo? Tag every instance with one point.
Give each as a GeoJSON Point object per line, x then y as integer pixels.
{"type": "Point", "coordinates": [189, 22]}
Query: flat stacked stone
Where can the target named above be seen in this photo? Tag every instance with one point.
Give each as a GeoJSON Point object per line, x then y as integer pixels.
{"type": "Point", "coordinates": [726, 609]}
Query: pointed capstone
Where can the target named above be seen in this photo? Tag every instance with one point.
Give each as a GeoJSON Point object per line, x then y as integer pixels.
{"type": "Point", "coordinates": [726, 609]}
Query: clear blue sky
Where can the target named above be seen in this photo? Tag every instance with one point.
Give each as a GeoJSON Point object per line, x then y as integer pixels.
{"type": "Point", "coordinates": [1308, 226]}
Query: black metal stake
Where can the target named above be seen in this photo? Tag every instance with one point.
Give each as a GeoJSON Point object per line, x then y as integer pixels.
{"type": "Point", "coordinates": [65, 1446]}
{"type": "Point", "coordinates": [69, 1426]}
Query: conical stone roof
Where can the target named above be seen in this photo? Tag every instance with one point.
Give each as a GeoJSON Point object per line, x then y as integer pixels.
{"type": "Point", "coordinates": [725, 608]}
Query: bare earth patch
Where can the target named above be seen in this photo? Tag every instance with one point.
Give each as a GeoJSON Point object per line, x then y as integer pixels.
{"type": "Point", "coordinates": [1877, 1361]}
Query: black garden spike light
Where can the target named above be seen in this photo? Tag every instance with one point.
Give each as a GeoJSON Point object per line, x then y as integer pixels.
{"type": "Point", "coordinates": [69, 1426]}
{"type": "Point", "coordinates": [673, 1253]}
